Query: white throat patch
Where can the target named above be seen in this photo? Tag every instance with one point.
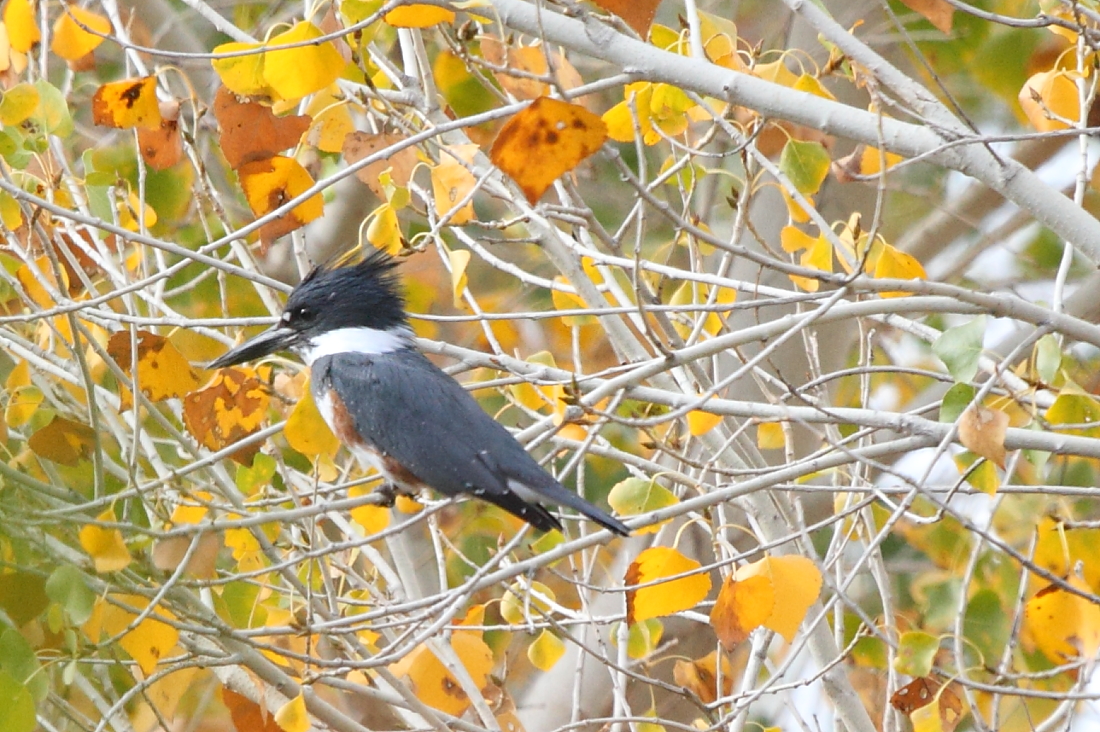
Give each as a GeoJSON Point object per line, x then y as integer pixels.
{"type": "Point", "coordinates": [367, 341]}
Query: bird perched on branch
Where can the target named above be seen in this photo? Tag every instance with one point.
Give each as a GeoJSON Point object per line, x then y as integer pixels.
{"type": "Point", "coordinates": [394, 408]}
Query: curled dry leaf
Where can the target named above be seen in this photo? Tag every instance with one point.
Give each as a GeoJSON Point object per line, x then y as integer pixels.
{"type": "Point", "coordinates": [359, 145]}
{"type": "Point", "coordinates": [251, 131]}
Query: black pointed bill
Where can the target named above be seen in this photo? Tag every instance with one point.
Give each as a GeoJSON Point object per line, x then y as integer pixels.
{"type": "Point", "coordinates": [274, 339]}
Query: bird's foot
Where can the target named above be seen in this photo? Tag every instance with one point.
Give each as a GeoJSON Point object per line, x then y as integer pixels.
{"type": "Point", "coordinates": [387, 494]}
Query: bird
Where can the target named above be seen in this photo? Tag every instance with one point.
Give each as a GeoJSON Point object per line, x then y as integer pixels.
{"type": "Point", "coordinates": [394, 408]}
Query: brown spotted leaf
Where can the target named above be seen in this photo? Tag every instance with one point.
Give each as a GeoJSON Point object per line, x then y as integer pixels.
{"type": "Point", "coordinates": [250, 131]}
{"type": "Point", "coordinates": [231, 408]}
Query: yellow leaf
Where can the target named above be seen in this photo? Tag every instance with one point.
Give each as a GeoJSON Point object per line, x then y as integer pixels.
{"type": "Point", "coordinates": [793, 239]}
{"type": "Point", "coordinates": [243, 75]}
{"type": "Point", "coordinates": [796, 582]}
{"type": "Point", "coordinates": [570, 301]}
{"type": "Point", "coordinates": [162, 371]}
{"type": "Point", "coordinates": [433, 684]}
{"type": "Point", "coordinates": [407, 504]}
{"type": "Point", "coordinates": [1064, 625]}
{"type": "Point", "coordinates": [418, 16]}
{"type": "Point", "coordinates": [893, 263]}
{"type": "Point", "coordinates": [459, 259]}
{"type": "Point", "coordinates": [521, 603]}
{"type": "Point", "coordinates": [770, 436]}
{"type": "Point", "coordinates": [22, 25]}
{"type": "Point", "coordinates": [105, 546]}
{"type": "Point", "coordinates": [819, 256]}
{"type": "Point", "coordinates": [148, 641]}
{"type": "Point", "coordinates": [372, 519]}
{"type": "Point", "coordinates": [231, 408]}
{"type": "Point", "coordinates": [70, 40]}
{"type": "Point", "coordinates": [269, 183]}
{"type": "Point", "coordinates": [741, 607]}
{"type": "Point", "coordinates": [306, 430]}
{"type": "Point", "coordinates": [776, 72]}
{"type": "Point", "coordinates": [23, 397]}
{"type": "Point", "coordinates": [185, 513]}
{"type": "Point", "coordinates": [332, 123]}
{"type": "Point", "coordinates": [798, 213]}
{"type": "Point", "coordinates": [872, 158]}
{"type": "Point", "coordinates": [1048, 98]}
{"type": "Point", "coordinates": [544, 141]}
{"type": "Point", "coordinates": [38, 285]}
{"type": "Point", "coordinates": [667, 597]}
{"type": "Point", "coordinates": [127, 103]}
{"type": "Point", "coordinates": [701, 676]}
{"type": "Point", "coordinates": [812, 85]}
{"type": "Point", "coordinates": [546, 651]}
{"type": "Point", "coordinates": [452, 182]}
{"type": "Point", "coordinates": [10, 212]}
{"type": "Point", "coordinates": [384, 230]}
{"type": "Point", "coordinates": [293, 716]}
{"type": "Point", "coordinates": [984, 477]}
{"type": "Point", "coordinates": [700, 423]}
{"type": "Point", "coordinates": [1059, 549]}
{"type": "Point", "coordinates": [296, 72]}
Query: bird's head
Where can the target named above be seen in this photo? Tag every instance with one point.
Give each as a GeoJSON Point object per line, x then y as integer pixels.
{"type": "Point", "coordinates": [356, 308]}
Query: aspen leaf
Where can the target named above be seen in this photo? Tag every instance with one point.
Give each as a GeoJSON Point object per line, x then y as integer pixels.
{"type": "Point", "coordinates": [820, 257]}
{"type": "Point", "coordinates": [770, 436]}
{"type": "Point", "coordinates": [18, 103]}
{"type": "Point", "coordinates": [372, 519]}
{"type": "Point", "coordinates": [229, 409]}
{"type": "Point", "coordinates": [452, 182]}
{"type": "Point", "coordinates": [700, 676]}
{"type": "Point", "coordinates": [916, 652]}
{"type": "Point", "coordinates": [805, 164]}
{"type": "Point", "coordinates": [147, 642]}
{"type": "Point", "coordinates": [459, 259]}
{"type": "Point", "coordinates": [982, 431]}
{"type": "Point", "coordinates": [798, 213]}
{"type": "Point", "coordinates": [1077, 408]}
{"type": "Point", "coordinates": [23, 396]}
{"type": "Point", "coordinates": [893, 263]}
{"type": "Point", "coordinates": [1048, 98]}
{"type": "Point", "coordinates": [960, 349]}
{"type": "Point", "coordinates": [642, 637]}
{"type": "Point", "coordinates": [162, 371]}
{"type": "Point", "coordinates": [127, 103]}
{"type": "Point", "coordinates": [939, 13]}
{"type": "Point", "coordinates": [1063, 625]}
{"type": "Point", "coordinates": [635, 496]}
{"type": "Point", "coordinates": [546, 651]}
{"type": "Point", "coordinates": [332, 122]}
{"type": "Point", "coordinates": [529, 60]}
{"type": "Point", "coordinates": [929, 706]}
{"type": "Point", "coordinates": [812, 85]}
{"type": "Point", "coordinates": [741, 607]}
{"type": "Point", "coordinates": [795, 585]}
{"type": "Point", "coordinates": [433, 684]}
{"type": "Point", "coordinates": [545, 140]}
{"type": "Point", "coordinates": [22, 25]}
{"type": "Point", "coordinates": [269, 184]}
{"type": "Point", "coordinates": [70, 41]}
{"type": "Point", "coordinates": [400, 163]}
{"type": "Point", "coordinates": [1048, 356]}
{"type": "Point", "coordinates": [983, 477]}
{"type": "Point", "coordinates": [247, 714]}
{"type": "Point", "coordinates": [306, 430]}
{"type": "Point", "coordinates": [384, 230]}
{"type": "Point", "coordinates": [667, 597]}
{"type": "Point", "coordinates": [638, 14]}
{"type": "Point", "coordinates": [871, 160]}
{"type": "Point", "coordinates": [39, 284]}
{"type": "Point", "coordinates": [793, 239]}
{"type": "Point", "coordinates": [105, 546]}
{"type": "Point", "coordinates": [1059, 550]}
{"type": "Point", "coordinates": [242, 74]}
{"type": "Point", "coordinates": [519, 604]}
{"type": "Point", "coordinates": [418, 16]}
{"type": "Point", "coordinates": [250, 131]}
{"type": "Point", "coordinates": [295, 72]}
{"type": "Point", "coordinates": [18, 711]}
{"type": "Point", "coordinates": [293, 716]}
{"type": "Point", "coordinates": [700, 423]}
{"type": "Point", "coordinates": [162, 147]}
{"type": "Point", "coordinates": [63, 441]}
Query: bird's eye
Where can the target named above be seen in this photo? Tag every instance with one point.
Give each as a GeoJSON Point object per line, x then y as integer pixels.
{"type": "Point", "coordinates": [303, 313]}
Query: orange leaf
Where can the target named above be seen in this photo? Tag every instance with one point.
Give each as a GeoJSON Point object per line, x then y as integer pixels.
{"type": "Point", "coordinates": [127, 103]}
{"type": "Point", "coordinates": [1048, 98]}
{"type": "Point", "coordinates": [939, 13]}
{"type": "Point", "coordinates": [358, 145]}
{"type": "Point", "coordinates": [63, 441]}
{"type": "Point", "coordinates": [795, 583]}
{"type": "Point", "coordinates": [230, 409]}
{"type": "Point", "coordinates": [162, 147]}
{"type": "Point", "coordinates": [638, 14]}
{"type": "Point", "coordinates": [247, 714]}
{"type": "Point", "coordinates": [982, 431]}
{"type": "Point", "coordinates": [269, 183]}
{"type": "Point", "coordinates": [701, 676]}
{"type": "Point", "coordinates": [665, 597]}
{"type": "Point", "coordinates": [251, 131]}
{"type": "Point", "coordinates": [741, 607]}
{"type": "Point", "coordinates": [544, 141]}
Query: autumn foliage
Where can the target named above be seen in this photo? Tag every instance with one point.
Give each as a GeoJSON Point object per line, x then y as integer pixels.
{"type": "Point", "coordinates": [807, 296]}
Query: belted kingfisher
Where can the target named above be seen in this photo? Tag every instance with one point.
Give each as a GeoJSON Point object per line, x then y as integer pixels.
{"type": "Point", "coordinates": [393, 407]}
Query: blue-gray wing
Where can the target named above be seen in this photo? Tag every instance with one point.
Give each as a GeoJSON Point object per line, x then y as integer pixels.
{"type": "Point", "coordinates": [420, 417]}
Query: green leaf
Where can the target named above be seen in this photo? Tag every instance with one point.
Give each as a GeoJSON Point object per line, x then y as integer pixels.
{"type": "Point", "coordinates": [806, 164]}
{"type": "Point", "coordinates": [955, 402]}
{"type": "Point", "coordinates": [68, 588]}
{"type": "Point", "coordinates": [987, 625]}
{"type": "Point", "coordinates": [52, 115]}
{"type": "Point", "coordinates": [1048, 358]}
{"type": "Point", "coordinates": [16, 706]}
{"type": "Point", "coordinates": [250, 479]}
{"type": "Point", "coordinates": [960, 348]}
{"type": "Point", "coordinates": [635, 496]}
{"type": "Point", "coordinates": [19, 661]}
{"type": "Point", "coordinates": [916, 651]}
